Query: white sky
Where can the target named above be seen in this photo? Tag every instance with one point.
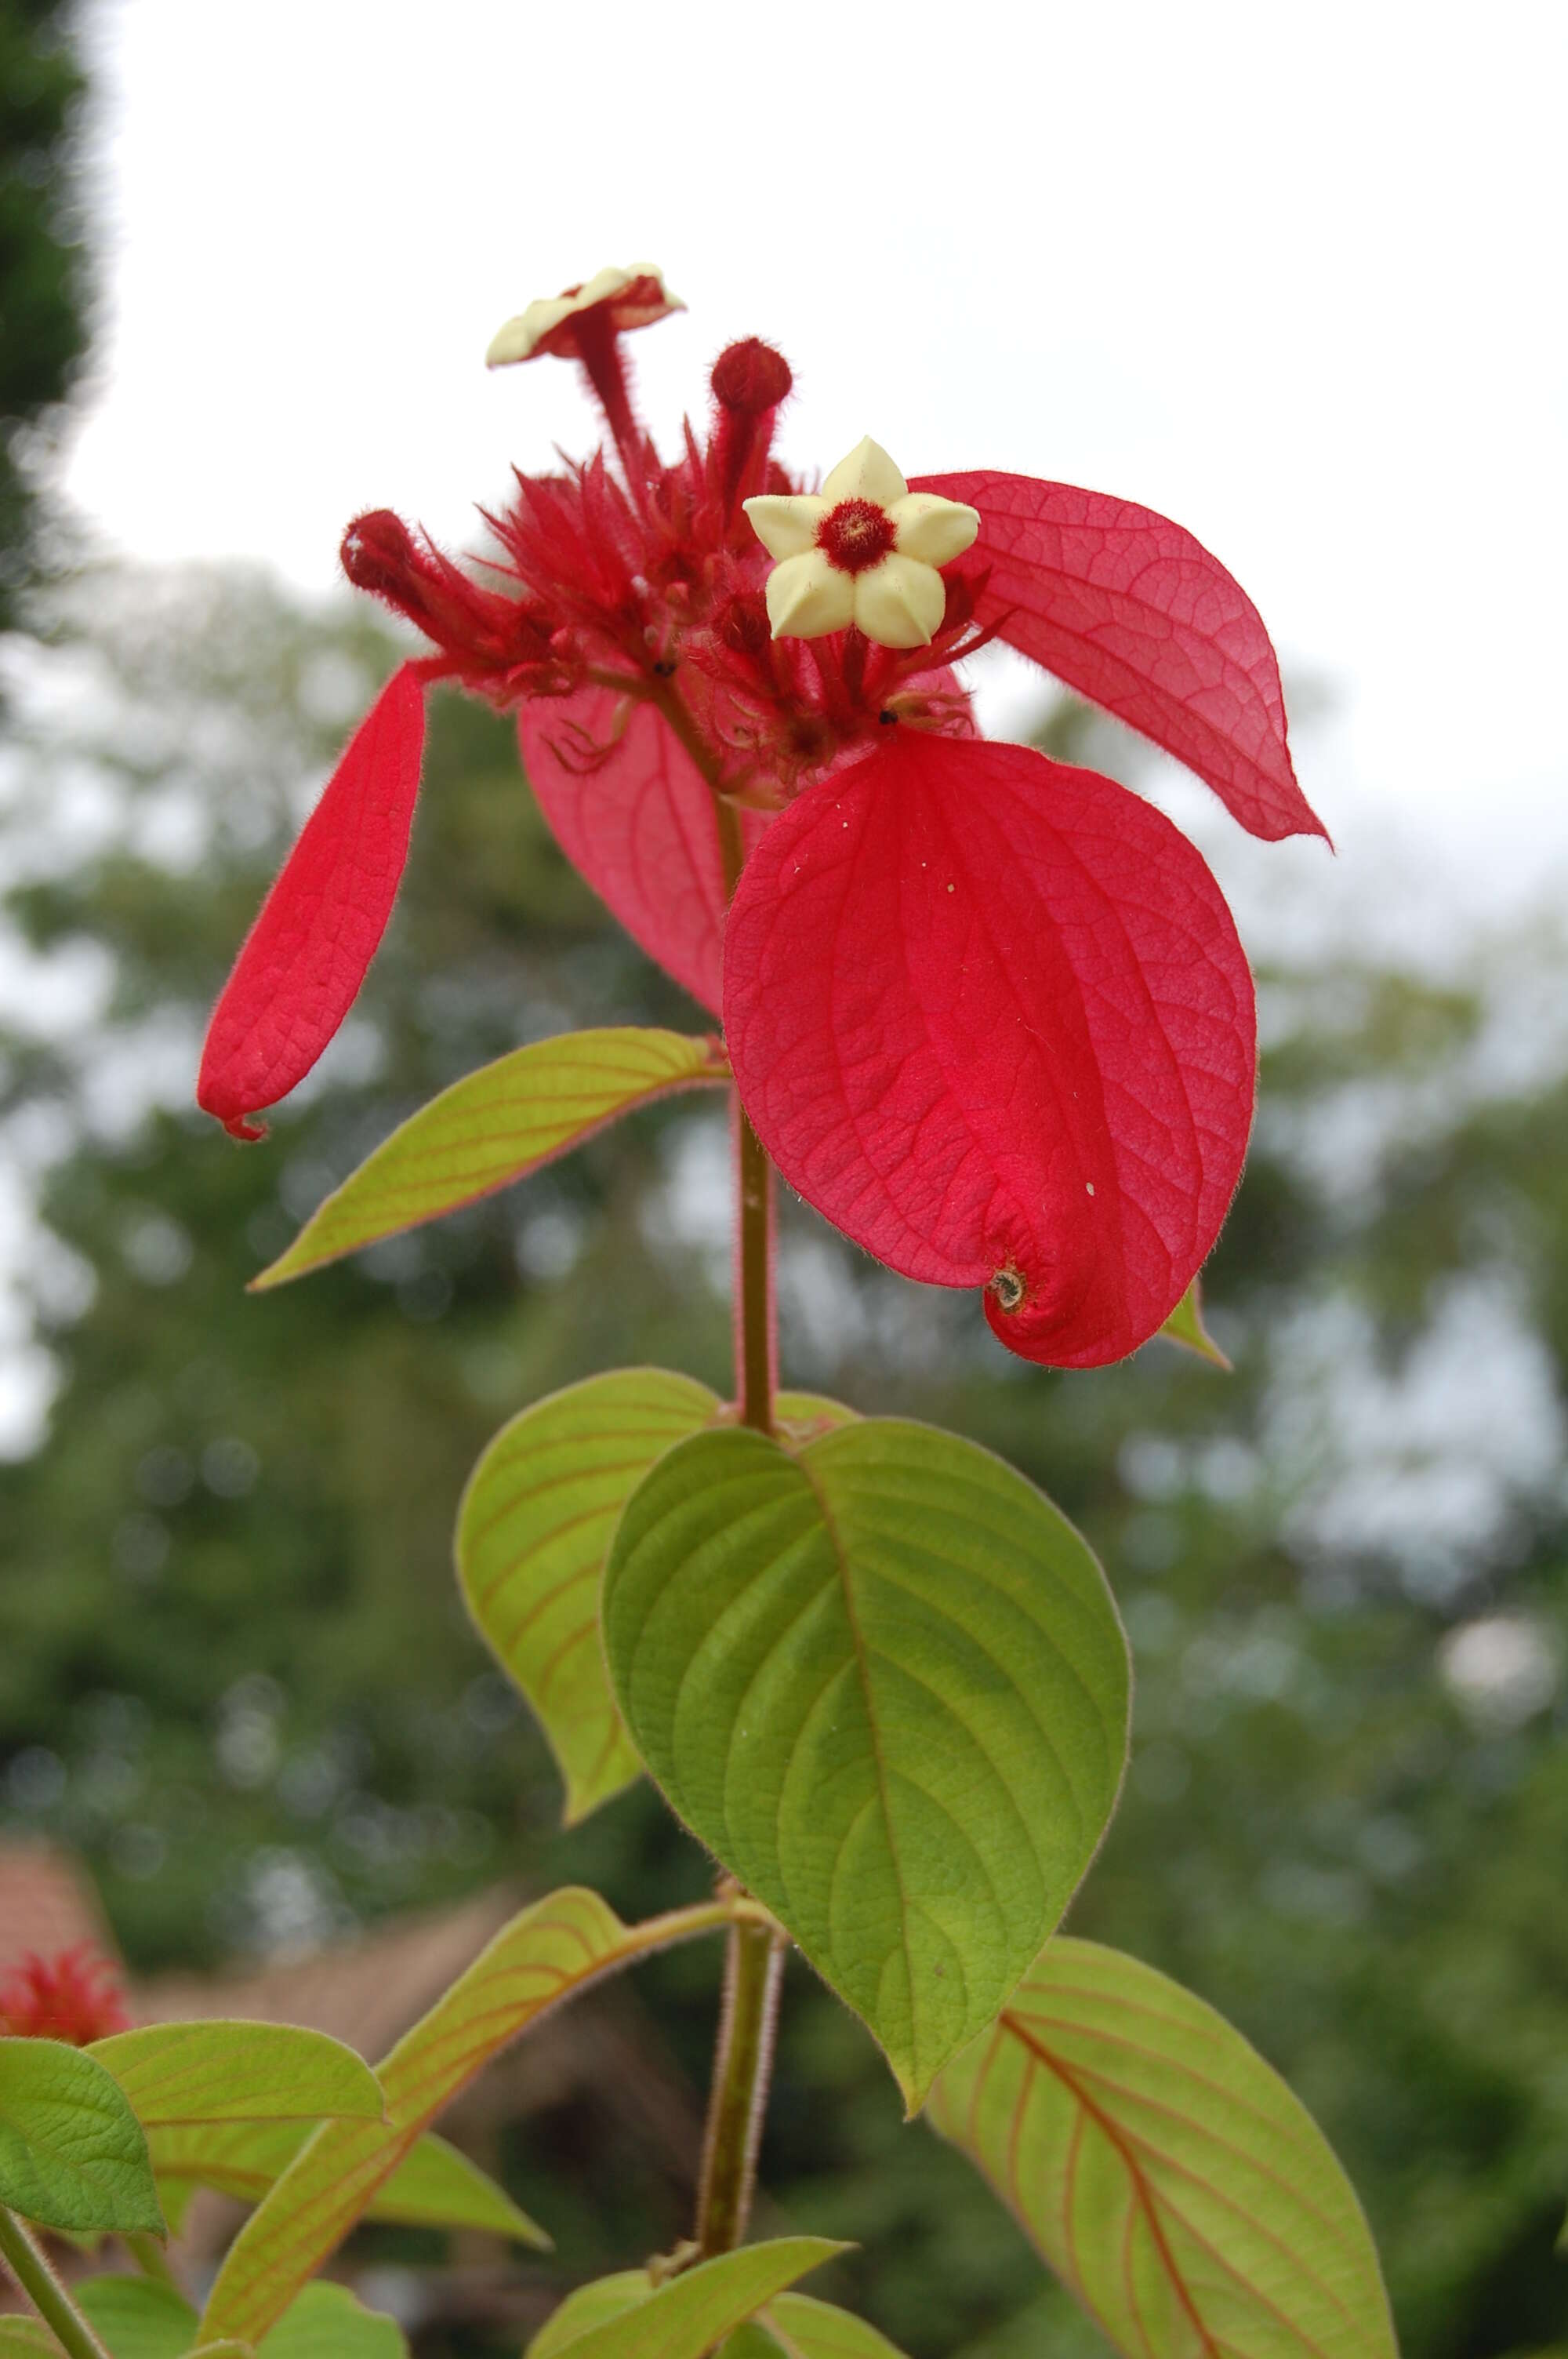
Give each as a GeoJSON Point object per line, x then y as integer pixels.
{"type": "Point", "coordinates": [1291, 273]}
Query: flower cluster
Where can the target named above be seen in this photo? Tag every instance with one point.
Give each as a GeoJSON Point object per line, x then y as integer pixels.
{"type": "Point", "coordinates": [75, 1996]}
{"type": "Point", "coordinates": [989, 1013]}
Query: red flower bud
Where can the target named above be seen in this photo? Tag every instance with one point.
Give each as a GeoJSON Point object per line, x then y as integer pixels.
{"type": "Point", "coordinates": [750, 377]}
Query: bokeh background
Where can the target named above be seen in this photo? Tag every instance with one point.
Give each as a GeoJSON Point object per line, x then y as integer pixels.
{"type": "Point", "coordinates": [1288, 275]}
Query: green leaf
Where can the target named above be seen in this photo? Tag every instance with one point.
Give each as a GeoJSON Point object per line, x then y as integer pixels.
{"type": "Point", "coordinates": [589, 2305]}
{"type": "Point", "coordinates": [434, 2187]}
{"type": "Point", "coordinates": [173, 2193]}
{"type": "Point", "coordinates": [538, 1514]}
{"type": "Point", "coordinates": [328, 2322]}
{"type": "Point", "coordinates": [136, 2318]}
{"type": "Point", "coordinates": [495, 1127]}
{"type": "Point", "coordinates": [688, 2316]}
{"type": "Point", "coordinates": [73, 2153]}
{"type": "Point", "coordinates": [796, 2326]}
{"type": "Point", "coordinates": [27, 2338]}
{"type": "Point", "coordinates": [437, 2186]}
{"type": "Point", "coordinates": [1165, 2172]}
{"type": "Point", "coordinates": [1184, 1326]}
{"type": "Point", "coordinates": [804, 2328]}
{"type": "Point", "coordinates": [229, 2072]}
{"type": "Point", "coordinates": [885, 1683]}
{"type": "Point", "coordinates": [545, 1954]}
{"type": "Point", "coordinates": [536, 1521]}
{"type": "Point", "coordinates": [801, 1417]}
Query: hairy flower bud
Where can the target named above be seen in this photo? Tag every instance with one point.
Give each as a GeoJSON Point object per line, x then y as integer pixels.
{"type": "Point", "coordinates": [750, 377]}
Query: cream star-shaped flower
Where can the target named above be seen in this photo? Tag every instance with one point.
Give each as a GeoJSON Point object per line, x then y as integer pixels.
{"type": "Point", "coordinates": [864, 550]}
{"type": "Point", "coordinates": [636, 299]}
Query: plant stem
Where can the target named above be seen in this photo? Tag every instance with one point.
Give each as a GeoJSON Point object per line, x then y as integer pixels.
{"type": "Point", "coordinates": [742, 2063]}
{"type": "Point", "coordinates": [753, 1961]}
{"type": "Point", "coordinates": [756, 1324]}
{"type": "Point", "coordinates": [44, 2290]}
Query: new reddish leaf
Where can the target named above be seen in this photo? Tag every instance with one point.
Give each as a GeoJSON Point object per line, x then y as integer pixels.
{"type": "Point", "coordinates": [990, 1015]}
{"type": "Point", "coordinates": [639, 821]}
{"type": "Point", "coordinates": [1134, 613]}
{"type": "Point", "coordinates": [301, 964]}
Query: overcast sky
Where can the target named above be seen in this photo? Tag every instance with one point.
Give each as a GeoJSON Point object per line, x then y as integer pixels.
{"type": "Point", "coordinates": [1290, 274]}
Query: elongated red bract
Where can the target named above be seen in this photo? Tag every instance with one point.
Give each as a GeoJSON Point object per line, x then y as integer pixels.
{"type": "Point", "coordinates": [638, 821]}
{"type": "Point", "coordinates": [990, 1015]}
{"type": "Point", "coordinates": [303, 960]}
{"type": "Point", "coordinates": [1131, 612]}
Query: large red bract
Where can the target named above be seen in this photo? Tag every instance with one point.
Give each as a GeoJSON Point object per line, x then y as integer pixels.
{"type": "Point", "coordinates": [303, 959]}
{"type": "Point", "coordinates": [1129, 609]}
{"type": "Point", "coordinates": [631, 811]}
{"type": "Point", "coordinates": [990, 1015]}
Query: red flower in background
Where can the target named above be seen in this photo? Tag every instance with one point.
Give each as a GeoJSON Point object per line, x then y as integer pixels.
{"type": "Point", "coordinates": [988, 1013]}
{"type": "Point", "coordinates": [75, 1996]}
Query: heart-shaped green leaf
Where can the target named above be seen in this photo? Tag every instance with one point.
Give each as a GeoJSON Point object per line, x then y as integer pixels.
{"type": "Point", "coordinates": [72, 2153]}
{"type": "Point", "coordinates": [623, 2318]}
{"type": "Point", "coordinates": [224, 2071]}
{"type": "Point", "coordinates": [495, 1127]}
{"type": "Point", "coordinates": [536, 1520]}
{"type": "Point", "coordinates": [1165, 2172]}
{"type": "Point", "coordinates": [884, 1681]}
{"type": "Point", "coordinates": [136, 2318]}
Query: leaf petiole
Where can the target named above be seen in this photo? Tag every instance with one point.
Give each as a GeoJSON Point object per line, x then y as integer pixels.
{"type": "Point", "coordinates": [25, 2260]}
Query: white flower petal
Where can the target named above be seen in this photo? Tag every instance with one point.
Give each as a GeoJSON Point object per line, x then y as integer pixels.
{"type": "Point", "coordinates": [520, 338]}
{"type": "Point", "coordinates": [806, 596]}
{"type": "Point", "coordinates": [900, 602]}
{"type": "Point", "coordinates": [932, 529]}
{"type": "Point", "coordinates": [786, 524]}
{"type": "Point", "coordinates": [867, 473]}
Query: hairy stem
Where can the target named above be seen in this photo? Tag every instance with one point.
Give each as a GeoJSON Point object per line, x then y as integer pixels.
{"type": "Point", "coordinates": [598, 350]}
{"type": "Point", "coordinates": [753, 1963]}
{"type": "Point", "coordinates": [742, 2064]}
{"type": "Point", "coordinates": [32, 2272]}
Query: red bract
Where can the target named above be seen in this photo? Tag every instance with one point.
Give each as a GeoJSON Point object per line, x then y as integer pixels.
{"type": "Point", "coordinates": [643, 836]}
{"type": "Point", "coordinates": [72, 1997]}
{"type": "Point", "coordinates": [1134, 613]}
{"type": "Point", "coordinates": [303, 960]}
{"type": "Point", "coordinates": [990, 1015]}
{"type": "Point", "coordinates": [1038, 1082]}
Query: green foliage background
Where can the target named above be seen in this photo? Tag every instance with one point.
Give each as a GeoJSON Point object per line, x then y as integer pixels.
{"type": "Point", "coordinates": [43, 278]}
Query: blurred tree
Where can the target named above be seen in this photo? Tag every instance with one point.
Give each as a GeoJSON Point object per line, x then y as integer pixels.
{"type": "Point", "coordinates": [43, 288]}
{"type": "Point", "coordinates": [235, 1670]}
